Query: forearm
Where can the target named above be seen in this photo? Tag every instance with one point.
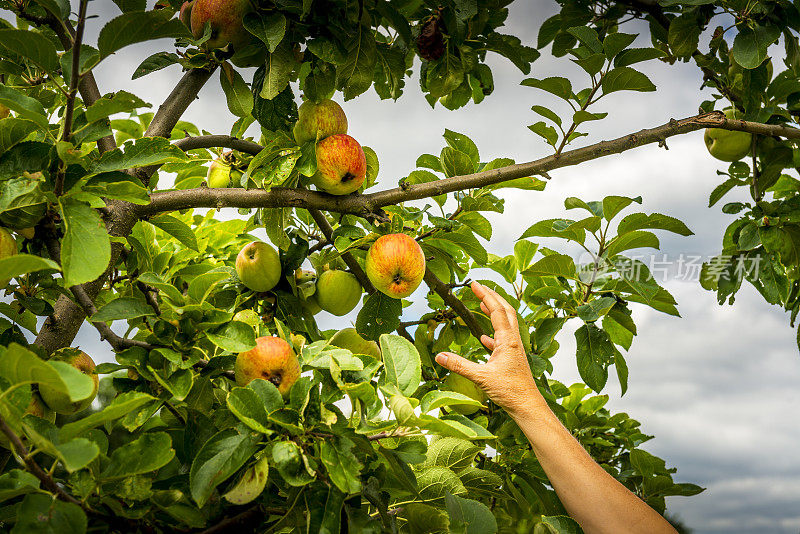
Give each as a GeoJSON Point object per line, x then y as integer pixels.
{"type": "Point", "coordinates": [595, 499]}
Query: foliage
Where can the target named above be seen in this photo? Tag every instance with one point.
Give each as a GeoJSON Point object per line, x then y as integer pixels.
{"type": "Point", "coordinates": [173, 443]}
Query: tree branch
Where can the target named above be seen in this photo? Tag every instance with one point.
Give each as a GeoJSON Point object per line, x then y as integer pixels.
{"type": "Point", "coordinates": [117, 342]}
{"type": "Point", "coordinates": [46, 480]}
{"type": "Point", "coordinates": [443, 290]}
{"type": "Point", "coordinates": [218, 141]}
{"type": "Point", "coordinates": [352, 263]}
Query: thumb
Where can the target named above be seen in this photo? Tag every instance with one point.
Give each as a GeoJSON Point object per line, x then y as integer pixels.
{"type": "Point", "coordinates": [457, 364]}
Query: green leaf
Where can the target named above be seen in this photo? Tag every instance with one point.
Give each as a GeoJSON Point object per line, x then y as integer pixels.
{"type": "Point", "coordinates": [14, 130]}
{"type": "Point", "coordinates": [202, 286]}
{"type": "Point", "coordinates": [252, 483]}
{"type": "Point", "coordinates": [123, 404]}
{"type": "Point", "coordinates": [402, 362]}
{"type": "Point", "coordinates": [562, 524]}
{"type": "Point", "coordinates": [118, 102]}
{"type": "Point", "coordinates": [614, 43]}
{"type": "Point", "coordinates": [77, 453]}
{"type": "Point", "coordinates": [42, 514]}
{"type": "Point", "coordinates": [356, 72]}
{"type": "Point", "coordinates": [25, 106]}
{"type": "Point", "coordinates": [684, 34]}
{"type": "Point", "coordinates": [512, 49]}
{"type": "Point", "coordinates": [553, 265]}
{"type": "Point", "coordinates": [148, 453]}
{"type": "Point", "coordinates": [219, 457]}
{"type": "Point", "coordinates": [342, 465]}
{"type": "Point", "coordinates": [252, 404]}
{"type": "Point", "coordinates": [234, 336]}
{"type": "Point", "coordinates": [626, 79]}
{"type": "Point", "coordinates": [237, 93]}
{"type": "Point", "coordinates": [137, 27]}
{"type": "Point", "coordinates": [123, 308]}
{"type": "Point", "coordinates": [557, 85]}
{"type": "Point", "coordinates": [436, 399]}
{"type": "Point", "coordinates": [141, 153]}
{"type": "Point", "coordinates": [595, 309]}
{"type": "Point", "coordinates": [436, 482]}
{"type": "Point", "coordinates": [117, 185]}
{"type": "Point", "coordinates": [17, 482]}
{"type": "Point", "coordinates": [548, 133]}
{"type": "Point", "coordinates": [33, 46]}
{"type": "Point", "coordinates": [156, 62]}
{"type": "Point", "coordinates": [613, 204]}
{"type": "Point", "coordinates": [546, 113]}
{"type": "Point", "coordinates": [289, 461]}
{"type": "Point", "coordinates": [18, 364]}
{"type": "Point", "coordinates": [452, 453]}
{"type": "Point", "coordinates": [584, 116]}
{"type": "Point", "coordinates": [380, 314]}
{"type": "Point", "coordinates": [594, 353]}
{"type": "Point", "coordinates": [750, 45]}
{"type": "Point", "coordinates": [19, 264]}
{"type": "Point", "coordinates": [177, 229]}
{"type": "Point", "coordinates": [637, 55]}
{"type": "Point", "coordinates": [473, 517]}
{"type": "Point", "coordinates": [86, 248]}
{"type": "Point", "coordinates": [630, 240]}
{"type": "Point", "coordinates": [270, 28]}
{"type": "Point", "coordinates": [655, 221]}
{"type": "Point", "coordinates": [278, 71]}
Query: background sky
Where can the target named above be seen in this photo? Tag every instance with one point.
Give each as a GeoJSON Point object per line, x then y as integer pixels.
{"type": "Point", "coordinates": [718, 387]}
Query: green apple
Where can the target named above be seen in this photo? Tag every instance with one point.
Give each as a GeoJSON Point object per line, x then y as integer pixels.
{"type": "Point", "coordinates": [465, 386]}
{"type": "Point", "coordinates": [273, 360]}
{"type": "Point", "coordinates": [728, 145]}
{"type": "Point", "coordinates": [59, 401]}
{"type": "Point", "coordinates": [341, 165]}
{"type": "Point", "coordinates": [349, 339]}
{"type": "Point", "coordinates": [318, 121]}
{"type": "Point", "coordinates": [258, 266]}
{"type": "Point", "coordinates": [395, 265]}
{"type": "Point", "coordinates": [338, 292]}
{"type": "Point", "coordinates": [226, 20]}
{"type": "Point", "coordinates": [219, 174]}
{"type": "Point", "coordinates": [8, 248]}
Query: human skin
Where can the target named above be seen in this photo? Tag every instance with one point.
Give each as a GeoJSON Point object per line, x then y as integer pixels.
{"type": "Point", "coordinates": [595, 499]}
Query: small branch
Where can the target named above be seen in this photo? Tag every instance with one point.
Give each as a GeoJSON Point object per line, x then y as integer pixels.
{"type": "Point", "coordinates": [352, 263]}
{"type": "Point", "coordinates": [441, 289]}
{"type": "Point", "coordinates": [756, 173]}
{"type": "Point", "coordinates": [202, 364]}
{"type": "Point", "coordinates": [46, 480]}
{"type": "Point", "coordinates": [117, 342]}
{"type": "Point", "coordinates": [150, 296]}
{"type": "Point", "coordinates": [243, 522]}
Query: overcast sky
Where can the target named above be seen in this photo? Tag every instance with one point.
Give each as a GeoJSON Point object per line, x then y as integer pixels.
{"type": "Point", "coordinates": [717, 387]}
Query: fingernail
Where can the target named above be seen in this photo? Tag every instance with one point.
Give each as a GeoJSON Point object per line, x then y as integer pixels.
{"type": "Point", "coordinates": [441, 359]}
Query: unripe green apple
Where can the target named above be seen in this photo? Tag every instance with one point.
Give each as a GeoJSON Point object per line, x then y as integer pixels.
{"type": "Point", "coordinates": [318, 121]}
{"type": "Point", "coordinates": [728, 145]}
{"type": "Point", "coordinates": [395, 265]}
{"type": "Point", "coordinates": [4, 111]}
{"type": "Point", "coordinates": [59, 401]}
{"type": "Point", "coordinates": [349, 339]}
{"type": "Point", "coordinates": [273, 360]}
{"type": "Point", "coordinates": [226, 20]}
{"type": "Point", "coordinates": [338, 292]}
{"type": "Point", "coordinates": [465, 386]}
{"type": "Point", "coordinates": [219, 174]}
{"type": "Point", "coordinates": [341, 165]}
{"type": "Point", "coordinates": [185, 14]}
{"type": "Point", "coordinates": [258, 266]}
{"type": "Point", "coordinates": [8, 248]}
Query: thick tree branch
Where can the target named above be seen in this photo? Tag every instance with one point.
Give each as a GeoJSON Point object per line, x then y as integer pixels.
{"type": "Point", "coordinates": [218, 141]}
{"type": "Point", "coordinates": [47, 481]}
{"type": "Point", "coordinates": [443, 290]}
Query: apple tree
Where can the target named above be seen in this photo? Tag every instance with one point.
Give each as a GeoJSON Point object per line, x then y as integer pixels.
{"type": "Point", "coordinates": [104, 203]}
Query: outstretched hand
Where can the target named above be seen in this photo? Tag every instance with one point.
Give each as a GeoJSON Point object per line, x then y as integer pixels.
{"type": "Point", "coordinates": [506, 377]}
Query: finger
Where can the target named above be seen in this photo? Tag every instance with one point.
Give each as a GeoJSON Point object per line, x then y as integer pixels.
{"type": "Point", "coordinates": [488, 342]}
{"type": "Point", "coordinates": [494, 296]}
{"type": "Point", "coordinates": [484, 308]}
{"type": "Point", "coordinates": [457, 364]}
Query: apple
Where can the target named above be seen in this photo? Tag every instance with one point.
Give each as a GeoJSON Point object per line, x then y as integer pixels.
{"type": "Point", "coordinates": [273, 360]}
{"type": "Point", "coordinates": [219, 174]}
{"type": "Point", "coordinates": [465, 386]}
{"type": "Point", "coordinates": [338, 292]}
{"type": "Point", "coordinates": [258, 266]}
{"type": "Point", "coordinates": [185, 15]}
{"type": "Point", "coordinates": [318, 121]}
{"type": "Point", "coordinates": [728, 145]}
{"type": "Point", "coordinates": [349, 339]}
{"type": "Point", "coordinates": [395, 265]}
{"type": "Point", "coordinates": [341, 165]}
{"type": "Point", "coordinates": [4, 111]}
{"type": "Point", "coordinates": [59, 401]}
{"type": "Point", "coordinates": [226, 20]}
{"type": "Point", "coordinates": [8, 248]}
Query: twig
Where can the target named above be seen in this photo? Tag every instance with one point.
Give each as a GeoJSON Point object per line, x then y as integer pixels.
{"type": "Point", "coordinates": [245, 521]}
{"type": "Point", "coordinates": [441, 289]}
{"type": "Point", "coordinates": [117, 342]}
{"type": "Point", "coordinates": [46, 480]}
{"type": "Point", "coordinates": [327, 230]}
{"type": "Point", "coordinates": [150, 296]}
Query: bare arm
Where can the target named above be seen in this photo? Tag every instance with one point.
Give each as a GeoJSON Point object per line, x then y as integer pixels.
{"type": "Point", "coordinates": [595, 499]}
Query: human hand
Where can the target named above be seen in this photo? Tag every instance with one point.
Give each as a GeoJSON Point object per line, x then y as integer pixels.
{"type": "Point", "coordinates": [506, 377]}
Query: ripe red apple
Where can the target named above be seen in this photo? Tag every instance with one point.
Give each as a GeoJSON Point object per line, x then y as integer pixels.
{"type": "Point", "coordinates": [395, 265]}
{"type": "Point", "coordinates": [349, 339]}
{"type": "Point", "coordinates": [258, 266]}
{"type": "Point", "coordinates": [318, 121]}
{"type": "Point", "coordinates": [272, 359]}
{"type": "Point", "coordinates": [338, 292]}
{"type": "Point", "coordinates": [8, 248]}
{"type": "Point", "coordinates": [185, 15]}
{"type": "Point", "coordinates": [219, 174]}
{"type": "Point", "coordinates": [59, 401]}
{"type": "Point", "coordinates": [341, 165]}
{"type": "Point", "coordinates": [225, 18]}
